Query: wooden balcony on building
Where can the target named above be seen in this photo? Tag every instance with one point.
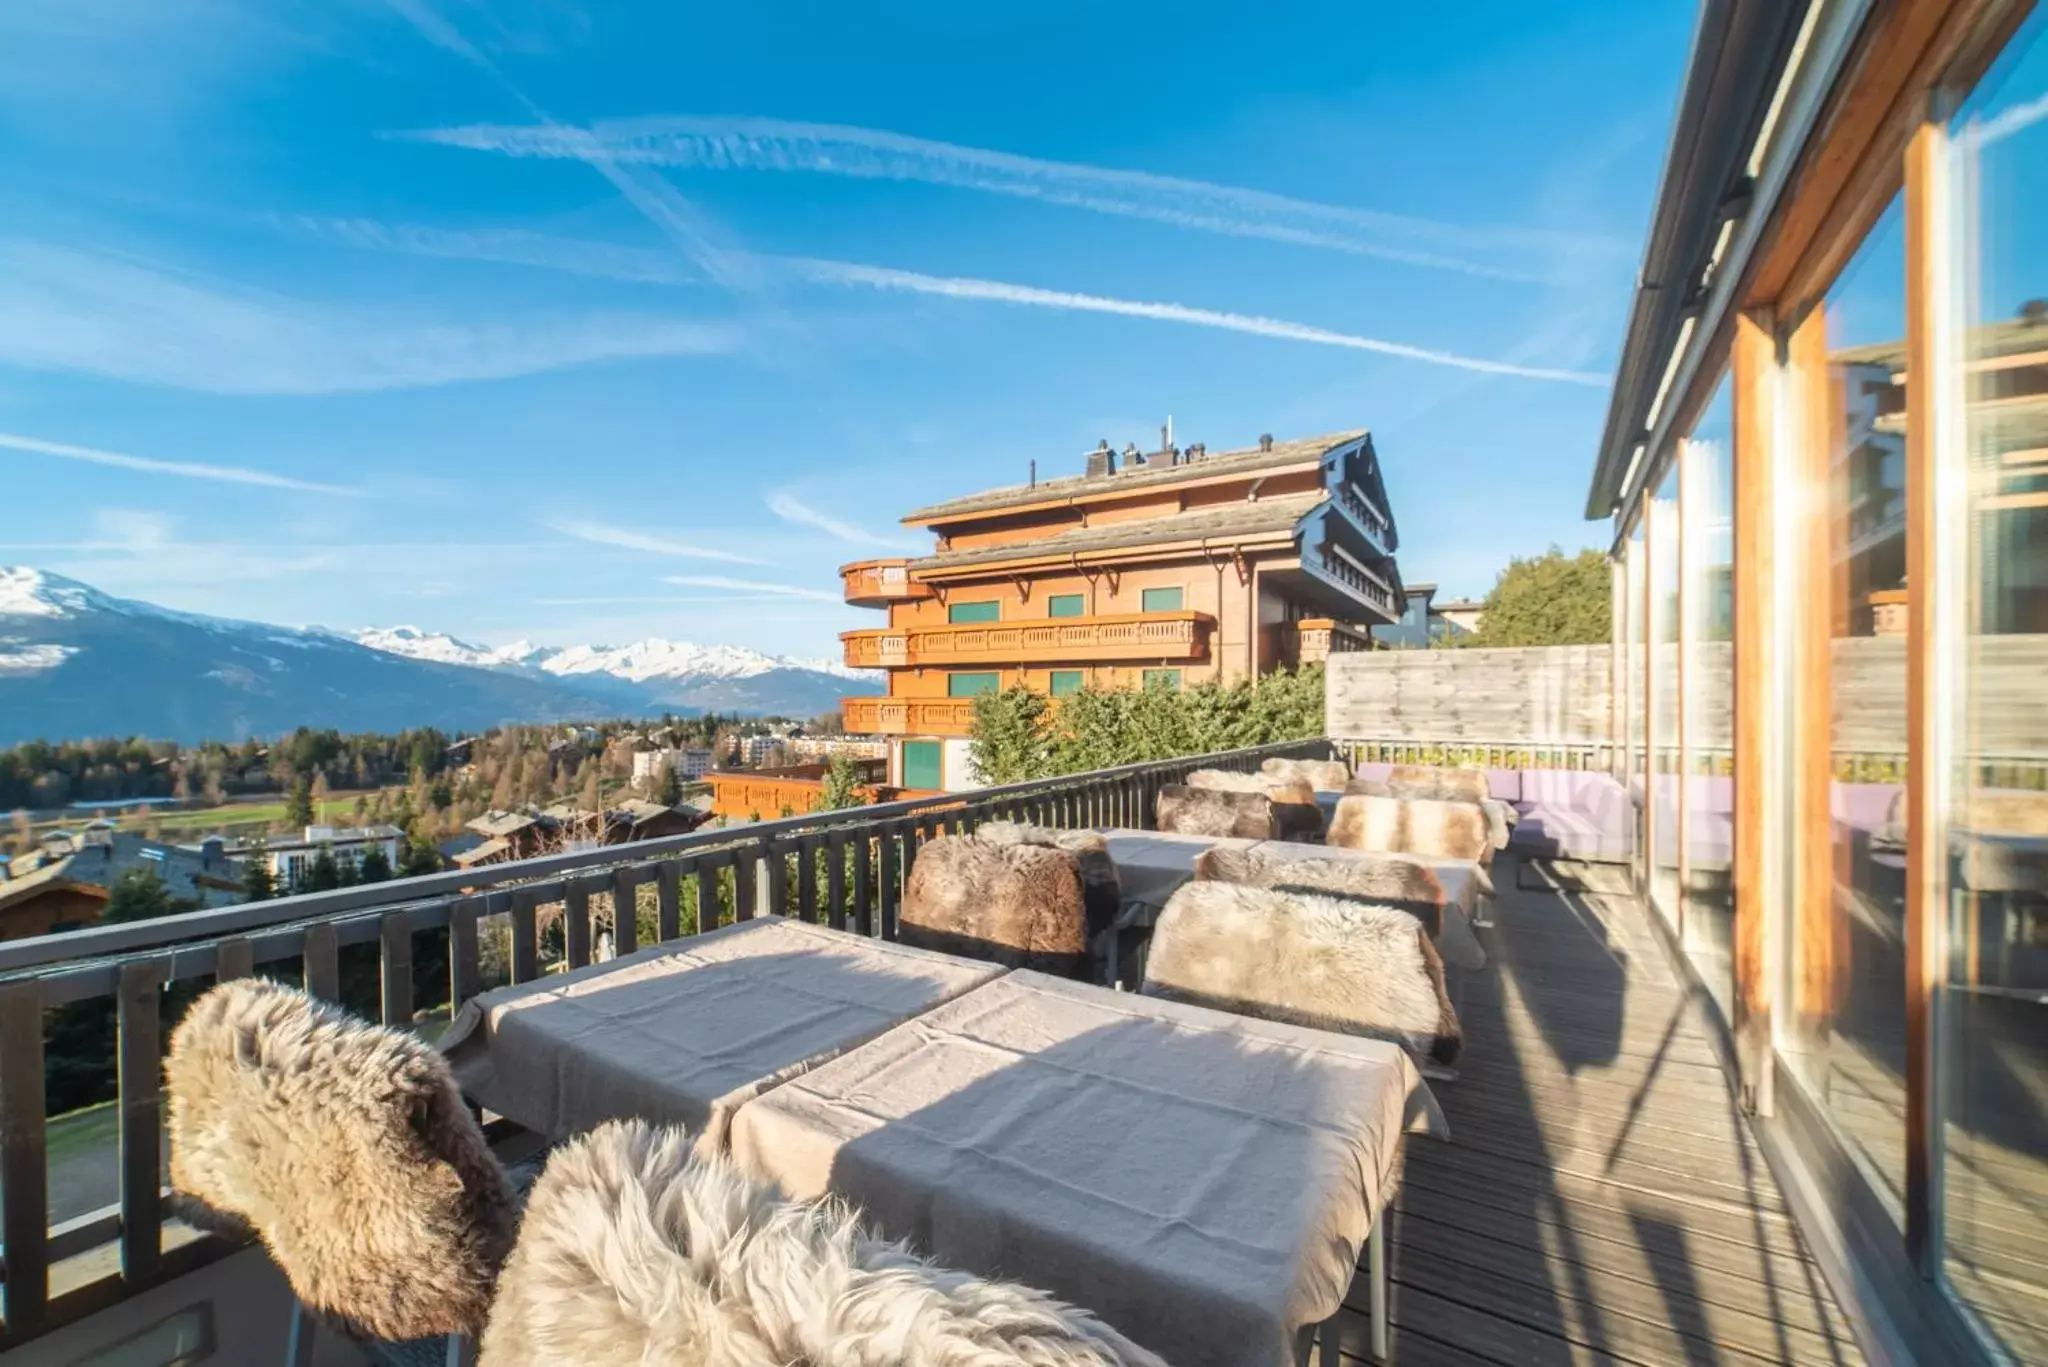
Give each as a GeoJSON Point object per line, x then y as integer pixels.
{"type": "Point", "coordinates": [1161, 636]}
{"type": "Point", "coordinates": [909, 716]}
{"type": "Point", "coordinates": [878, 583]}
{"type": "Point", "coordinates": [1318, 638]}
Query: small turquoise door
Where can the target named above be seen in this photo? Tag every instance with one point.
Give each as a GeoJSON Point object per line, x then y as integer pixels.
{"type": "Point", "coordinates": [921, 764]}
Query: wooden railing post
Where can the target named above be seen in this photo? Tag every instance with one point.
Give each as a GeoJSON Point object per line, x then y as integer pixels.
{"type": "Point", "coordinates": [576, 923]}
{"type": "Point", "coordinates": [625, 910]}
{"type": "Point", "coordinates": [394, 935]}
{"type": "Point", "coordinates": [24, 1181]}
{"type": "Point", "coordinates": [139, 1051]}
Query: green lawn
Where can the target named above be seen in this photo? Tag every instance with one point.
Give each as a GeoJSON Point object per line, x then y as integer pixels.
{"type": "Point", "coordinates": [337, 809]}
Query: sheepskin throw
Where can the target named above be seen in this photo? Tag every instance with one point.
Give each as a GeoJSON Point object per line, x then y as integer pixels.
{"type": "Point", "coordinates": [1500, 816]}
{"type": "Point", "coordinates": [1329, 963]}
{"type": "Point", "coordinates": [344, 1146]}
{"type": "Point", "coordinates": [1323, 775]}
{"type": "Point", "coordinates": [1012, 895]}
{"type": "Point", "coordinates": [1385, 879]}
{"type": "Point", "coordinates": [1450, 830]}
{"type": "Point", "coordinates": [635, 1254]}
{"type": "Point", "coordinates": [1443, 785]}
{"type": "Point", "coordinates": [1295, 813]}
{"type": "Point", "coordinates": [1182, 810]}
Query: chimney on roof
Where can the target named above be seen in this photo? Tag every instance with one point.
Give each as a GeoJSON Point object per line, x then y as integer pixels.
{"type": "Point", "coordinates": [1265, 441]}
{"type": "Point", "coordinates": [1101, 461]}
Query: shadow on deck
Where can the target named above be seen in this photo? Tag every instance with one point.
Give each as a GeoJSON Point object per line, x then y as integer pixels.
{"type": "Point", "coordinates": [1602, 1200]}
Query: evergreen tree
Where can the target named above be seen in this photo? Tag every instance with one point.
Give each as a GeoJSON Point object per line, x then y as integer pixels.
{"type": "Point", "coordinates": [420, 857]}
{"type": "Point", "coordinates": [668, 788]}
{"type": "Point", "coordinates": [841, 785]}
{"type": "Point", "coordinates": [1549, 600]}
{"type": "Point", "coordinates": [324, 875]}
{"type": "Point", "coordinates": [139, 895]}
{"type": "Point", "coordinates": [376, 866]}
{"type": "Point", "coordinates": [298, 808]}
{"type": "Point", "coordinates": [257, 884]}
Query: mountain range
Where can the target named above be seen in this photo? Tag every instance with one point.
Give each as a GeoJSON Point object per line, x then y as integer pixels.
{"type": "Point", "coordinates": [75, 662]}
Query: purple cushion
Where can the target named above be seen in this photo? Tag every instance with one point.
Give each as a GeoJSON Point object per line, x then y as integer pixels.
{"type": "Point", "coordinates": [1547, 832]}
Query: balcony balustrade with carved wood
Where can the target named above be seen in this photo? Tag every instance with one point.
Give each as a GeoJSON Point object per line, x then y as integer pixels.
{"type": "Point", "coordinates": [1160, 636]}
{"type": "Point", "coordinates": [909, 716]}
{"type": "Point", "coordinates": [878, 583]}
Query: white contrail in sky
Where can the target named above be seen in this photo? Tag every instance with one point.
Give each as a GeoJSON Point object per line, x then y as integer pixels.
{"type": "Point", "coordinates": [790, 508]}
{"type": "Point", "coordinates": [224, 474]}
{"type": "Point", "coordinates": [716, 143]}
{"type": "Point", "coordinates": [996, 291]}
{"type": "Point", "coordinates": [719, 581]}
{"type": "Point", "coordinates": [605, 535]}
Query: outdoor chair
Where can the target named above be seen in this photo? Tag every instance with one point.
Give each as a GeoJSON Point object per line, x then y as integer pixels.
{"type": "Point", "coordinates": [1021, 896]}
{"type": "Point", "coordinates": [346, 1148]}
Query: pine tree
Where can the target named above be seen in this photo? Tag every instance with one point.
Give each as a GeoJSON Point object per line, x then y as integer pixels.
{"type": "Point", "coordinates": [668, 788]}
{"type": "Point", "coordinates": [841, 785]}
{"type": "Point", "coordinates": [257, 884]}
{"type": "Point", "coordinates": [139, 895]}
{"type": "Point", "coordinates": [376, 866]}
{"type": "Point", "coordinates": [324, 875]}
{"type": "Point", "coordinates": [298, 808]}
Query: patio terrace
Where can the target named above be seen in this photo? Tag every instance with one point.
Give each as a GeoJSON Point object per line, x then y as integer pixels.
{"type": "Point", "coordinates": [1600, 1201]}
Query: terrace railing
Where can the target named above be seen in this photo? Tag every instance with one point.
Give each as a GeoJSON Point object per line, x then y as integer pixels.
{"type": "Point", "coordinates": [844, 868]}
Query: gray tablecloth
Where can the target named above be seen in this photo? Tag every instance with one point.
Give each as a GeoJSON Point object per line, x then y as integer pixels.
{"type": "Point", "coordinates": [683, 1033]}
{"type": "Point", "coordinates": [1150, 866]}
{"type": "Point", "coordinates": [1203, 1181]}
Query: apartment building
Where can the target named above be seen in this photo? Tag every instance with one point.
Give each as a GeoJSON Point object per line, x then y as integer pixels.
{"type": "Point", "coordinates": [1162, 568]}
{"type": "Point", "coordinates": [290, 857]}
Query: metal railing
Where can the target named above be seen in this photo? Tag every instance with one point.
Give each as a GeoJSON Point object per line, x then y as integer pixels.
{"type": "Point", "coordinates": [846, 869]}
{"type": "Point", "coordinates": [1483, 754]}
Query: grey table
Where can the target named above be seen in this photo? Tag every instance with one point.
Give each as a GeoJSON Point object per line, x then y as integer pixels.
{"type": "Point", "coordinates": [1205, 1182]}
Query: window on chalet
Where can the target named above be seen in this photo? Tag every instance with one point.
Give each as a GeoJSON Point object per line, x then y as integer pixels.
{"type": "Point", "coordinates": [1168, 679]}
{"type": "Point", "coordinates": [1065, 681]}
{"type": "Point", "coordinates": [989, 610]}
{"type": "Point", "coordinates": [1066, 605]}
{"type": "Point", "coordinates": [968, 685]}
{"type": "Point", "coordinates": [1161, 600]}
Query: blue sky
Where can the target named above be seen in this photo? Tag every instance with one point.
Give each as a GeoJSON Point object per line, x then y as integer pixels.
{"type": "Point", "coordinates": [586, 322]}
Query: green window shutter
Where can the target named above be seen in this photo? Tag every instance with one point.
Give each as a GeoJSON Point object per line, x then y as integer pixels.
{"type": "Point", "coordinates": [967, 685]}
{"type": "Point", "coordinates": [1160, 600]}
{"type": "Point", "coordinates": [1163, 678]}
{"type": "Point", "coordinates": [989, 611]}
{"type": "Point", "coordinates": [921, 763]}
{"type": "Point", "coordinates": [1066, 605]}
{"type": "Point", "coordinates": [1065, 681]}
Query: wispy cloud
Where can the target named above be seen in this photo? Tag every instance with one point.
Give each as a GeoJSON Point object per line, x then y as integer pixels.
{"type": "Point", "coordinates": [508, 246]}
{"type": "Point", "coordinates": [225, 474]}
{"type": "Point", "coordinates": [870, 154]}
{"type": "Point", "coordinates": [627, 263]}
{"type": "Point", "coordinates": [787, 506]}
{"type": "Point", "coordinates": [996, 291]}
{"type": "Point", "coordinates": [718, 581]}
{"type": "Point", "coordinates": [140, 549]}
{"type": "Point", "coordinates": [68, 310]}
{"type": "Point", "coordinates": [626, 537]}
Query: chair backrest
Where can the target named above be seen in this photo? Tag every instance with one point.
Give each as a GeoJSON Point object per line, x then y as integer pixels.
{"type": "Point", "coordinates": [347, 1149]}
{"type": "Point", "coordinates": [1443, 785]}
{"type": "Point", "coordinates": [1383, 879]}
{"type": "Point", "coordinates": [634, 1251]}
{"type": "Point", "coordinates": [1329, 963]}
{"type": "Point", "coordinates": [1452, 830]}
{"type": "Point", "coordinates": [1009, 901]}
{"type": "Point", "coordinates": [1323, 775]}
{"type": "Point", "coordinates": [1182, 810]}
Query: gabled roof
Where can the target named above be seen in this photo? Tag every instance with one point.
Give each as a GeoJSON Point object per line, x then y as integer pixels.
{"type": "Point", "coordinates": [1249, 460]}
{"type": "Point", "coordinates": [1219, 523]}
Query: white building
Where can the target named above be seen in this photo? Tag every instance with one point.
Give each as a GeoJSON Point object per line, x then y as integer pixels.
{"type": "Point", "coordinates": [689, 764]}
{"type": "Point", "coordinates": [291, 857]}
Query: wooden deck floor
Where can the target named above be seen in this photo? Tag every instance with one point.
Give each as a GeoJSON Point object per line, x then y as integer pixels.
{"type": "Point", "coordinates": [1601, 1200]}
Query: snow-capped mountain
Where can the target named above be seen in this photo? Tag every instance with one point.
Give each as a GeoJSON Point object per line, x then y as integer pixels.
{"type": "Point", "coordinates": [640, 662]}
{"type": "Point", "coordinates": [75, 662]}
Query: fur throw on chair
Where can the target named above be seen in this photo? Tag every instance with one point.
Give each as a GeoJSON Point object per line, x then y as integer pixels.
{"type": "Point", "coordinates": [1007, 899]}
{"type": "Point", "coordinates": [1295, 813]}
{"type": "Point", "coordinates": [347, 1148]}
{"type": "Point", "coordinates": [1388, 880]}
{"type": "Point", "coordinates": [1322, 775]}
{"type": "Point", "coordinates": [1395, 825]}
{"type": "Point", "coordinates": [1182, 810]}
{"type": "Point", "coordinates": [1442, 785]}
{"type": "Point", "coordinates": [1329, 963]}
{"type": "Point", "coordinates": [634, 1254]}
{"type": "Point", "coordinates": [1500, 816]}
{"type": "Point", "coordinates": [1101, 890]}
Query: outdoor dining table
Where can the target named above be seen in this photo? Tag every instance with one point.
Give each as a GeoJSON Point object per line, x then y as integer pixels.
{"type": "Point", "coordinates": [1204, 1182]}
{"type": "Point", "coordinates": [1151, 865]}
{"type": "Point", "coordinates": [683, 1033]}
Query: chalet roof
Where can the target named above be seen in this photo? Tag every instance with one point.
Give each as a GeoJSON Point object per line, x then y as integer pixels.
{"type": "Point", "coordinates": [637, 810]}
{"type": "Point", "coordinates": [1220, 522]}
{"type": "Point", "coordinates": [1248, 460]}
{"type": "Point", "coordinates": [495, 824]}
{"type": "Point", "coordinates": [186, 874]}
{"type": "Point", "coordinates": [484, 853]}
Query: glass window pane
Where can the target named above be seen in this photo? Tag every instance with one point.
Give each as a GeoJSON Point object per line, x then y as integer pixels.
{"type": "Point", "coordinates": [1844, 1032]}
{"type": "Point", "coordinates": [1633, 676]}
{"type": "Point", "coordinates": [1065, 681]}
{"type": "Point", "coordinates": [1992, 1051]}
{"type": "Point", "coordinates": [967, 685]}
{"type": "Point", "coordinates": [1663, 637]}
{"type": "Point", "coordinates": [1066, 605]}
{"type": "Point", "coordinates": [1707, 635]}
{"type": "Point", "coordinates": [1160, 600]}
{"type": "Point", "coordinates": [921, 764]}
{"type": "Point", "coordinates": [1162, 678]}
{"type": "Point", "coordinates": [988, 611]}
